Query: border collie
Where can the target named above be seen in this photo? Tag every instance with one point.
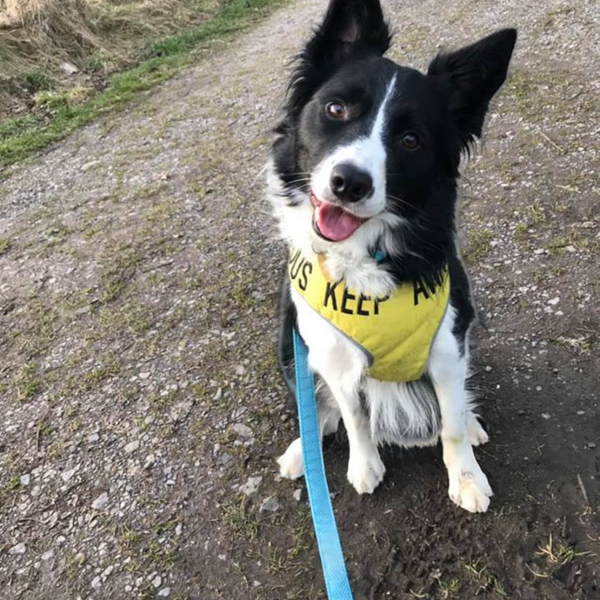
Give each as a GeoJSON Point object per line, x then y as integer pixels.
{"type": "Point", "coordinates": [363, 180]}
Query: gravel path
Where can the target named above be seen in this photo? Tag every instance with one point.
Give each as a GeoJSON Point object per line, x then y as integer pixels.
{"type": "Point", "coordinates": [142, 403]}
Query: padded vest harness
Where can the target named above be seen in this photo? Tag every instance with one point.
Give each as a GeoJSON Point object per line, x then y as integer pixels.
{"type": "Point", "coordinates": [394, 332]}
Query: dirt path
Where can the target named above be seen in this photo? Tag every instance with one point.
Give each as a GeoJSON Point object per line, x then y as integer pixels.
{"type": "Point", "coordinates": [138, 377]}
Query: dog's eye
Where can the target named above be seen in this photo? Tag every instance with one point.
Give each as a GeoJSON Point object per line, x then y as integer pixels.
{"type": "Point", "coordinates": [336, 110]}
{"type": "Point", "coordinates": [410, 141]}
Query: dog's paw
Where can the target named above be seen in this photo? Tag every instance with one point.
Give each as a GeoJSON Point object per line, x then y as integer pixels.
{"type": "Point", "coordinates": [365, 471]}
{"type": "Point", "coordinates": [470, 490]}
{"type": "Point", "coordinates": [291, 463]}
{"type": "Point", "coordinates": [477, 434]}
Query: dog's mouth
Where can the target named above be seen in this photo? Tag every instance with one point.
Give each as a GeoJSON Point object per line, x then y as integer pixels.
{"type": "Point", "coordinates": [332, 222]}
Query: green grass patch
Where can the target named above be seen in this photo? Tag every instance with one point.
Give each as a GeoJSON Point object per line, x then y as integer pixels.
{"type": "Point", "coordinates": [20, 137]}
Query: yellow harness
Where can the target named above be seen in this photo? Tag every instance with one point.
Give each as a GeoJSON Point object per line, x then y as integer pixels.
{"type": "Point", "coordinates": [395, 332]}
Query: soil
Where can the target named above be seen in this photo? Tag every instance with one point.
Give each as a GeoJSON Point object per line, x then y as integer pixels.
{"type": "Point", "coordinates": [143, 407]}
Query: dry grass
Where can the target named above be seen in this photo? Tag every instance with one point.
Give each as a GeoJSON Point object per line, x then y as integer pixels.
{"type": "Point", "coordinates": [96, 37]}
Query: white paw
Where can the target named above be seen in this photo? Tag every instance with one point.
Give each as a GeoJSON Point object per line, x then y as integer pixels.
{"type": "Point", "coordinates": [470, 489]}
{"type": "Point", "coordinates": [477, 433]}
{"type": "Point", "coordinates": [365, 471]}
{"type": "Point", "coordinates": [291, 463]}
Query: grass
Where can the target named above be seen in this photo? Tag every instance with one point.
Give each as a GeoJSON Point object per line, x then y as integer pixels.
{"type": "Point", "coordinates": [20, 137]}
{"type": "Point", "coordinates": [559, 554]}
{"type": "Point", "coordinates": [479, 245]}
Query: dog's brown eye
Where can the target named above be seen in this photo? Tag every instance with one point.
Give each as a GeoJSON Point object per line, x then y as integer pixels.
{"type": "Point", "coordinates": [410, 141]}
{"type": "Point", "coordinates": [336, 110]}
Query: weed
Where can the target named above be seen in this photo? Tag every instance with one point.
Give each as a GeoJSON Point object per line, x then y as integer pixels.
{"type": "Point", "coordinates": [560, 554]}
{"type": "Point", "coordinates": [479, 245]}
{"type": "Point", "coordinates": [450, 588]}
{"type": "Point", "coordinates": [5, 245]}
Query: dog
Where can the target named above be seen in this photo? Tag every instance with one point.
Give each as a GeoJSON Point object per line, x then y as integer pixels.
{"type": "Point", "coordinates": [362, 177]}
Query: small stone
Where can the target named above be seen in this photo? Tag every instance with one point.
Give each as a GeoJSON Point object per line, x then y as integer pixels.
{"type": "Point", "coordinates": [69, 68]}
{"type": "Point", "coordinates": [179, 529]}
{"type": "Point", "coordinates": [25, 479]}
{"type": "Point", "coordinates": [251, 486]}
{"type": "Point", "coordinates": [298, 494]}
{"type": "Point", "coordinates": [488, 369]}
{"type": "Point", "coordinates": [243, 430]}
{"type": "Point", "coordinates": [96, 582]}
{"type": "Point", "coordinates": [520, 412]}
{"type": "Point", "coordinates": [591, 445]}
{"type": "Point", "coordinates": [269, 505]}
{"type": "Point", "coordinates": [47, 555]}
{"type": "Point", "coordinates": [144, 375]}
{"type": "Point", "coordinates": [18, 549]}
{"type": "Point", "coordinates": [67, 475]}
{"type": "Point", "coordinates": [157, 581]}
{"type": "Point", "coordinates": [131, 447]}
{"type": "Point", "coordinates": [100, 502]}
{"type": "Point", "coordinates": [581, 412]}
{"type": "Point", "coordinates": [164, 593]}
{"type": "Point", "coordinates": [554, 301]}
{"type": "Point", "coordinates": [538, 388]}
{"type": "Point", "coordinates": [93, 438]}
{"type": "Point", "coordinates": [240, 370]}
{"type": "Point", "coordinates": [545, 416]}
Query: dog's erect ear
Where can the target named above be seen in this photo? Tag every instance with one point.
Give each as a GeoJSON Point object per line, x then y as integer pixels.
{"type": "Point", "coordinates": [475, 73]}
{"type": "Point", "coordinates": [349, 25]}
{"type": "Point", "coordinates": [351, 28]}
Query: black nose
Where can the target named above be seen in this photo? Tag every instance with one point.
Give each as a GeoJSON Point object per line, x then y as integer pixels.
{"type": "Point", "coordinates": [349, 183]}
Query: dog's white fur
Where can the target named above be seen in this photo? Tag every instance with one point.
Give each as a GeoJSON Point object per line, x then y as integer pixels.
{"type": "Point", "coordinates": [343, 366]}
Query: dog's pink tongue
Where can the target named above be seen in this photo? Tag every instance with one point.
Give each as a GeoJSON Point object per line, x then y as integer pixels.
{"type": "Point", "coordinates": [337, 224]}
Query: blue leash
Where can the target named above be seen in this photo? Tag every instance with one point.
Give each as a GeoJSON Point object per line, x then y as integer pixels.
{"type": "Point", "coordinates": [328, 539]}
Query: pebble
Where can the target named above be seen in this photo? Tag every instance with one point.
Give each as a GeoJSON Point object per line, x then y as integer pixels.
{"type": "Point", "coordinates": [93, 438]}
{"type": "Point", "coordinates": [18, 549]}
{"type": "Point", "coordinates": [24, 479]}
{"type": "Point", "coordinates": [131, 447]}
{"type": "Point", "coordinates": [47, 555]}
{"type": "Point", "coordinates": [164, 593]}
{"type": "Point", "coordinates": [298, 494]}
{"type": "Point", "coordinates": [243, 430]}
{"type": "Point", "coordinates": [157, 581]}
{"type": "Point", "coordinates": [488, 369]}
{"type": "Point", "coordinates": [545, 416]}
{"type": "Point", "coordinates": [96, 582]}
{"type": "Point", "coordinates": [591, 445]}
{"type": "Point", "coordinates": [67, 475]}
{"type": "Point", "coordinates": [251, 486]}
{"type": "Point", "coordinates": [100, 502]}
{"type": "Point", "coordinates": [554, 301]}
{"type": "Point", "coordinates": [269, 505]}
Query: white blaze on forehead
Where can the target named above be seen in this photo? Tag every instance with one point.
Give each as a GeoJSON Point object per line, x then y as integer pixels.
{"type": "Point", "coordinates": [367, 153]}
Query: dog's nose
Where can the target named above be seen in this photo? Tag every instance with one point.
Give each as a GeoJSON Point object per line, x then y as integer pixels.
{"type": "Point", "coordinates": [349, 183]}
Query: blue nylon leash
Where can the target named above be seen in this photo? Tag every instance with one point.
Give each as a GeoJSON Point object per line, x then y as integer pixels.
{"type": "Point", "coordinates": [328, 539]}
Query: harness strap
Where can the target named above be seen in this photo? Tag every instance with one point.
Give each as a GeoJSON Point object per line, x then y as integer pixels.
{"type": "Point", "coordinates": [328, 539]}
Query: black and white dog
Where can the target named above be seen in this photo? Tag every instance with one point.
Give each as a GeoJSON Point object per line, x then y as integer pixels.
{"type": "Point", "coordinates": [363, 180]}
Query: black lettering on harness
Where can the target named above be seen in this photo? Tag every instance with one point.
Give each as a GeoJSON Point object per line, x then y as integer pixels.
{"type": "Point", "coordinates": [419, 288]}
{"type": "Point", "coordinates": [378, 301]}
{"type": "Point", "coordinates": [330, 294]}
{"type": "Point", "coordinates": [359, 308]}
{"type": "Point", "coordinates": [306, 271]}
{"type": "Point", "coordinates": [347, 296]}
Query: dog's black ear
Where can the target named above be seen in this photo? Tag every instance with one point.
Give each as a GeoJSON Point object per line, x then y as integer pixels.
{"type": "Point", "coordinates": [474, 74]}
{"type": "Point", "coordinates": [349, 25]}
{"type": "Point", "coordinates": [351, 28]}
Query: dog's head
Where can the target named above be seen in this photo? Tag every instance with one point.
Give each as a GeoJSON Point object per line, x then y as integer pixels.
{"type": "Point", "coordinates": [366, 144]}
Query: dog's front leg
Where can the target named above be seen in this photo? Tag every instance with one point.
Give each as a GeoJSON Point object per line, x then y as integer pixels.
{"type": "Point", "coordinates": [365, 467]}
{"type": "Point", "coordinates": [468, 485]}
